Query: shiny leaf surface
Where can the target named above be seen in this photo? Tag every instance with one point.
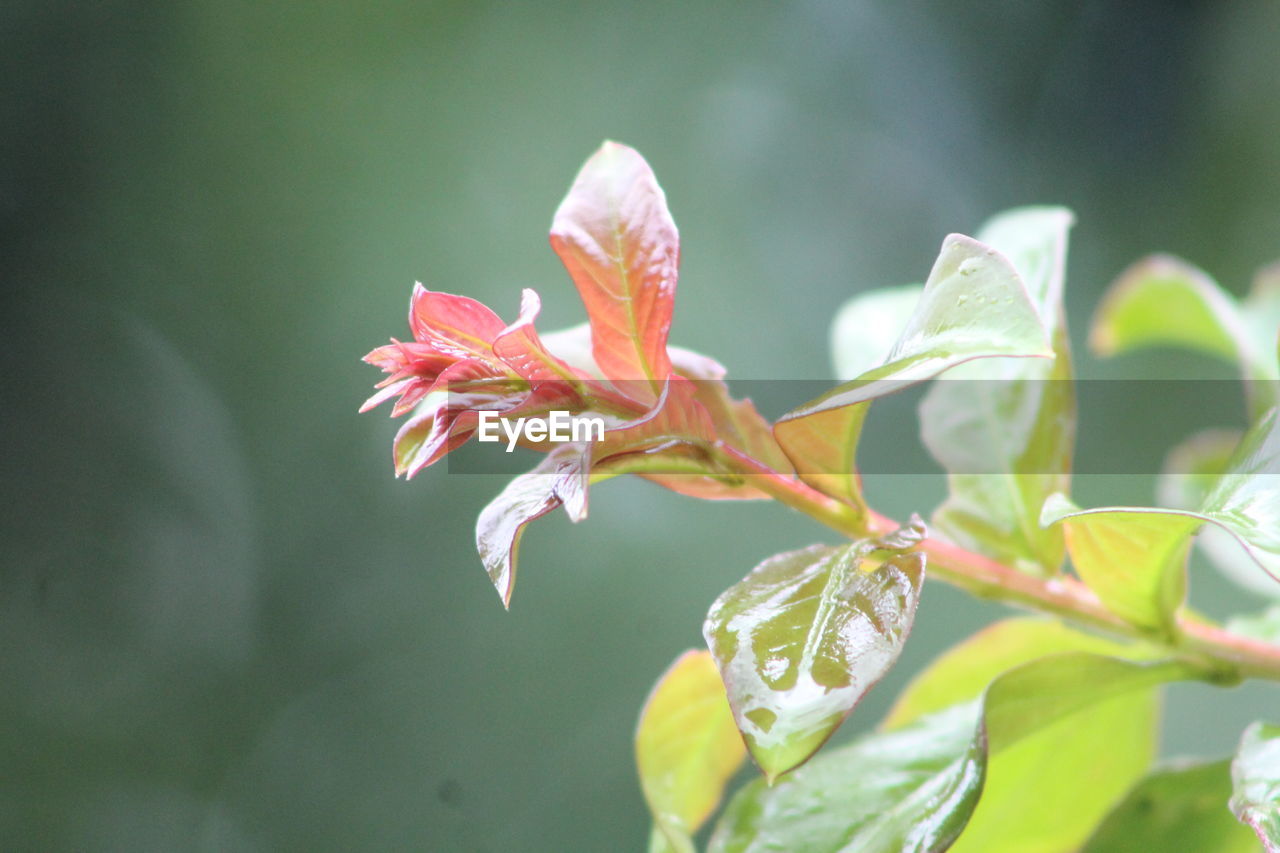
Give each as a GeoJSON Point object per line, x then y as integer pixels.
{"type": "Point", "coordinates": [908, 791]}
{"type": "Point", "coordinates": [806, 634]}
{"type": "Point", "coordinates": [914, 788]}
{"type": "Point", "coordinates": [1255, 779]}
{"type": "Point", "coordinates": [1176, 809]}
{"type": "Point", "coordinates": [1110, 744]}
{"type": "Point", "coordinates": [616, 238]}
{"type": "Point", "coordinates": [1004, 429]}
{"type": "Point", "coordinates": [561, 478]}
{"type": "Point", "coordinates": [687, 747]}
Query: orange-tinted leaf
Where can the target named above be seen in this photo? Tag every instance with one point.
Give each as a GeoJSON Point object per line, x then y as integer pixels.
{"type": "Point", "coordinates": [617, 239]}
{"type": "Point", "coordinates": [519, 346]}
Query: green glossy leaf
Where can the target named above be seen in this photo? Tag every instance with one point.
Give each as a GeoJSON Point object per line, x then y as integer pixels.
{"type": "Point", "coordinates": [1110, 743]}
{"type": "Point", "coordinates": [1165, 301]}
{"type": "Point", "coordinates": [806, 634]}
{"type": "Point", "coordinates": [1133, 558]}
{"type": "Point", "coordinates": [1175, 809]}
{"type": "Point", "coordinates": [907, 791]}
{"type": "Point", "coordinates": [973, 305]}
{"type": "Point", "coordinates": [1246, 500]}
{"type": "Point", "coordinates": [687, 748]}
{"type": "Point", "coordinates": [1255, 778]}
{"type": "Point", "coordinates": [1004, 429]}
{"type": "Point", "coordinates": [914, 788]}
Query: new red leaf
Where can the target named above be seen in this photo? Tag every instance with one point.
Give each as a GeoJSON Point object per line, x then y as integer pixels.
{"type": "Point", "coordinates": [617, 239]}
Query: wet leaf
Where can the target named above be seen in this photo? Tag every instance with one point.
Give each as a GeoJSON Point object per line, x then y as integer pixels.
{"type": "Point", "coordinates": [907, 791]}
{"type": "Point", "coordinates": [1004, 429]}
{"type": "Point", "coordinates": [1255, 779]}
{"type": "Point", "coordinates": [687, 747]}
{"type": "Point", "coordinates": [1176, 809]}
{"type": "Point", "coordinates": [802, 638]}
{"type": "Point", "coordinates": [561, 478]}
{"type": "Point", "coordinates": [914, 788]}
{"type": "Point", "coordinates": [973, 305]}
{"type": "Point", "coordinates": [617, 240]}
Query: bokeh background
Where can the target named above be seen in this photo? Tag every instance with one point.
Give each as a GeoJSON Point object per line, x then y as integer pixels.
{"type": "Point", "coordinates": [225, 626]}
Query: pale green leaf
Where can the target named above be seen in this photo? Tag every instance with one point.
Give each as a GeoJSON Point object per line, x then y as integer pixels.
{"type": "Point", "coordinates": [806, 634]}
{"type": "Point", "coordinates": [1255, 778]}
{"type": "Point", "coordinates": [1264, 626]}
{"type": "Point", "coordinates": [973, 305]}
{"type": "Point", "coordinates": [687, 748]}
{"type": "Point", "coordinates": [1004, 429]}
{"type": "Point", "coordinates": [1163, 300]}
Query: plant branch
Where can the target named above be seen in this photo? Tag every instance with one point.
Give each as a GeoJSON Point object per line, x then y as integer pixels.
{"type": "Point", "coordinates": [1219, 654]}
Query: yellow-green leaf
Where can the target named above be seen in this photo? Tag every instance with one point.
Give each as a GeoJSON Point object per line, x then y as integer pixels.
{"type": "Point", "coordinates": [1133, 558]}
{"type": "Point", "coordinates": [1089, 758]}
{"type": "Point", "coordinates": [687, 747]}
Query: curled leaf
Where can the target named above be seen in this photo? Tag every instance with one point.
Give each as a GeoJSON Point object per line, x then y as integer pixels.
{"type": "Point", "coordinates": [1165, 301]}
{"type": "Point", "coordinates": [561, 478]}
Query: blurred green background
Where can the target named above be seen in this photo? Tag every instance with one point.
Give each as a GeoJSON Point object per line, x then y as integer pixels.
{"type": "Point", "coordinates": [225, 626]}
